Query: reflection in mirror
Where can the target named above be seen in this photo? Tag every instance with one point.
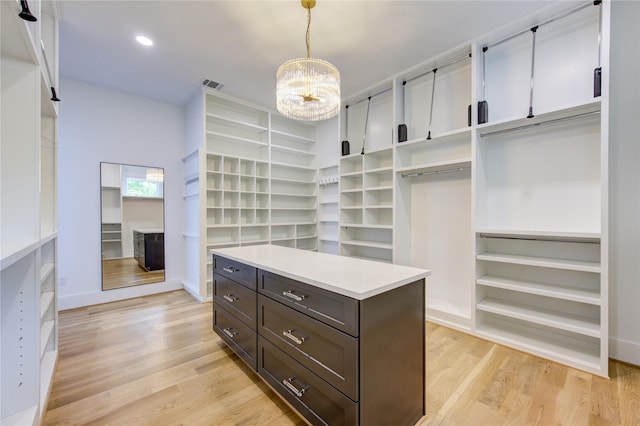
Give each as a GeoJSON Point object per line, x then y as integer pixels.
{"type": "Point", "coordinates": [132, 225]}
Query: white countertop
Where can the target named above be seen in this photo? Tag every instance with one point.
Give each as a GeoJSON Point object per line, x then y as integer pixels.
{"type": "Point", "coordinates": [356, 278]}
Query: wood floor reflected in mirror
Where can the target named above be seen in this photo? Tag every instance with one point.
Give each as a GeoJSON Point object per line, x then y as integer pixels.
{"type": "Point", "coordinates": [125, 272]}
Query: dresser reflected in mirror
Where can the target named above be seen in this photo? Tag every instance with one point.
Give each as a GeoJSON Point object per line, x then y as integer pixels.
{"type": "Point", "coordinates": [132, 225]}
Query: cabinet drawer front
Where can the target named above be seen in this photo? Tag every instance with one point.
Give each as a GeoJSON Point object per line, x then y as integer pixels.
{"type": "Point", "coordinates": [236, 298]}
{"type": "Point", "coordinates": [334, 309]}
{"type": "Point", "coordinates": [315, 399]}
{"type": "Point", "coordinates": [240, 338]}
{"type": "Point", "coordinates": [331, 354]}
{"type": "Point", "coordinates": [239, 272]}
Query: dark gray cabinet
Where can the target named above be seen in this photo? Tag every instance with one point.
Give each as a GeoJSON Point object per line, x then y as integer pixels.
{"type": "Point", "coordinates": [148, 249]}
{"type": "Point", "coordinates": [337, 360]}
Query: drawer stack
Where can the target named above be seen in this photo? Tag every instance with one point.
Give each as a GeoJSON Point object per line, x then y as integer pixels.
{"type": "Point", "coordinates": [335, 359]}
{"type": "Point", "coordinates": [234, 307]}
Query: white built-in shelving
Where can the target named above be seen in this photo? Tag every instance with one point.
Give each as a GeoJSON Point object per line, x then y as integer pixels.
{"type": "Point", "coordinates": [366, 205]}
{"type": "Point", "coordinates": [28, 203]}
{"type": "Point", "coordinates": [256, 183]}
{"type": "Point", "coordinates": [510, 215]}
{"type": "Point", "coordinates": [328, 211]}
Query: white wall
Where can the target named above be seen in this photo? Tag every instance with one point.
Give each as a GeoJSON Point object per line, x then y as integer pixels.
{"type": "Point", "coordinates": [624, 183]}
{"type": "Point", "coordinates": [98, 124]}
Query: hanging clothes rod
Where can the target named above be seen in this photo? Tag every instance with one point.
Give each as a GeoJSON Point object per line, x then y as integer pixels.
{"type": "Point", "coordinates": [369, 97]}
{"type": "Point", "coordinates": [436, 172]}
{"type": "Point", "coordinates": [548, 21]}
{"type": "Point", "coordinates": [468, 55]}
{"type": "Point", "coordinates": [542, 123]}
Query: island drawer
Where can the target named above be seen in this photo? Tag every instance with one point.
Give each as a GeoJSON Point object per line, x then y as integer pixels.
{"type": "Point", "coordinates": [236, 298]}
{"type": "Point", "coordinates": [238, 336]}
{"type": "Point", "coordinates": [239, 272]}
{"type": "Point", "coordinates": [330, 353]}
{"type": "Point", "coordinates": [331, 308]}
{"type": "Point", "coordinates": [319, 402]}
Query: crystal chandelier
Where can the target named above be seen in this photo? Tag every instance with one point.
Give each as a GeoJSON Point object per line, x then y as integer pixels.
{"type": "Point", "coordinates": [308, 88]}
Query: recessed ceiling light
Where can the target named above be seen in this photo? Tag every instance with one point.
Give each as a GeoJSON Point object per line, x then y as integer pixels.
{"type": "Point", "coordinates": [146, 41]}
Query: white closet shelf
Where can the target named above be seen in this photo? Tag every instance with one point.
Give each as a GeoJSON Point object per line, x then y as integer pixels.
{"type": "Point", "coordinates": [294, 208]}
{"type": "Point", "coordinates": [296, 181]}
{"type": "Point", "coordinates": [365, 243]}
{"type": "Point", "coordinates": [292, 166]}
{"type": "Point", "coordinates": [22, 46]}
{"type": "Point", "coordinates": [45, 333]}
{"type": "Point", "coordinates": [540, 235]}
{"type": "Point", "coordinates": [45, 271]}
{"type": "Point", "coordinates": [327, 203]}
{"type": "Point", "coordinates": [379, 170]}
{"type": "Point", "coordinates": [560, 320]}
{"type": "Point", "coordinates": [380, 206]}
{"type": "Point", "coordinates": [541, 289]}
{"type": "Point", "coordinates": [561, 113]}
{"type": "Point", "coordinates": [352, 207]}
{"type": "Point", "coordinates": [546, 345]}
{"type": "Point", "coordinates": [45, 302]}
{"type": "Point", "coordinates": [47, 367]}
{"type": "Point", "coordinates": [329, 220]}
{"type": "Point", "coordinates": [347, 174]}
{"type": "Point", "coordinates": [379, 188]}
{"type": "Point", "coordinates": [545, 262]}
{"type": "Point", "coordinates": [293, 136]}
{"type": "Point", "coordinates": [294, 151]}
{"type": "Point", "coordinates": [12, 252]}
{"type": "Point", "coordinates": [345, 191]}
{"type": "Point", "coordinates": [436, 137]}
{"type": "Point", "coordinates": [236, 138]}
{"type": "Point", "coordinates": [289, 194]}
{"type": "Point", "coordinates": [28, 415]}
{"type": "Point", "coordinates": [236, 123]}
{"type": "Point", "coordinates": [361, 225]}
{"type": "Point", "coordinates": [435, 167]}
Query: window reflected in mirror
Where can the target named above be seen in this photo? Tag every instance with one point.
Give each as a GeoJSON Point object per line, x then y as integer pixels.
{"type": "Point", "coordinates": [132, 225]}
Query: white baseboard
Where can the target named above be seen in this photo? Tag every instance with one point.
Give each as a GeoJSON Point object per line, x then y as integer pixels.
{"type": "Point", "coordinates": [625, 351]}
{"type": "Point", "coordinates": [97, 297]}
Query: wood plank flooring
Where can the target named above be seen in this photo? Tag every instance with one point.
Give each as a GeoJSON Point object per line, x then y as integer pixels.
{"type": "Point", "coordinates": [154, 360]}
{"type": "Point", "coordinates": [125, 272]}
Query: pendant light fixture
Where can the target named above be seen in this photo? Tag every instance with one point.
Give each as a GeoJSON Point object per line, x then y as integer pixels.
{"type": "Point", "coordinates": [306, 88]}
{"type": "Point", "coordinates": [155, 175]}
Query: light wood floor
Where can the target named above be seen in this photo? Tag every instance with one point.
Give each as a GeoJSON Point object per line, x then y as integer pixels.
{"type": "Point", "coordinates": [125, 272]}
{"type": "Point", "coordinates": [154, 360]}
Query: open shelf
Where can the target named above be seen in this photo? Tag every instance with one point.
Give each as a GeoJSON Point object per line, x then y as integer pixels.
{"type": "Point", "coordinates": [547, 262]}
{"type": "Point", "coordinates": [555, 319]}
{"type": "Point", "coordinates": [45, 302]}
{"type": "Point", "coordinates": [436, 167]}
{"type": "Point", "coordinates": [559, 292]}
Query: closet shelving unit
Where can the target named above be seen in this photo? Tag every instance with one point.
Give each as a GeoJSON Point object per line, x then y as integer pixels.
{"type": "Point", "coordinates": [541, 196]}
{"type": "Point", "coordinates": [28, 245]}
{"type": "Point", "coordinates": [293, 187]}
{"type": "Point", "coordinates": [256, 183]}
{"type": "Point", "coordinates": [328, 209]}
{"type": "Point", "coordinates": [509, 214]}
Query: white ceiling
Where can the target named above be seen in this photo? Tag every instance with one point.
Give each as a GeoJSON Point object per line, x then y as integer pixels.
{"type": "Point", "coordinates": [241, 43]}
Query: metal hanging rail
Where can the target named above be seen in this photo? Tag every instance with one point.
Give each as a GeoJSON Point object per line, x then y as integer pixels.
{"type": "Point", "coordinates": [437, 172]}
{"type": "Point", "coordinates": [542, 123]}
{"type": "Point", "coordinates": [454, 61]}
{"type": "Point", "coordinates": [369, 97]}
{"type": "Point", "coordinates": [548, 21]}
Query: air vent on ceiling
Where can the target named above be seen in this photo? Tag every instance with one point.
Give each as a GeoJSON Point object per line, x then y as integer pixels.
{"type": "Point", "coordinates": [212, 84]}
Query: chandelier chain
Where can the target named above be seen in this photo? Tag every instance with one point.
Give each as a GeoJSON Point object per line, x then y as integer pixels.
{"type": "Point", "coordinates": [308, 32]}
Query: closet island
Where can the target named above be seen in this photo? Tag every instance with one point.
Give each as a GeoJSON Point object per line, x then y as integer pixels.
{"type": "Point", "coordinates": [340, 339]}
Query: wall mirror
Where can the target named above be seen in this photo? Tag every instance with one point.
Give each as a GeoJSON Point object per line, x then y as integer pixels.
{"type": "Point", "coordinates": [132, 225]}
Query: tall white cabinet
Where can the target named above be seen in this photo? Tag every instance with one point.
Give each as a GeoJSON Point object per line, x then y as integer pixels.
{"type": "Point", "coordinates": [511, 214]}
{"type": "Point", "coordinates": [250, 178]}
{"type": "Point", "coordinates": [28, 228]}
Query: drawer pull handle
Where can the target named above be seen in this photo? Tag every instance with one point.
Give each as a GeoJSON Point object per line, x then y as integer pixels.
{"type": "Point", "coordinates": [229, 332]}
{"type": "Point", "coordinates": [297, 392]}
{"type": "Point", "coordinates": [289, 334]}
{"type": "Point", "coordinates": [290, 294]}
{"type": "Point", "coordinates": [231, 270]}
{"type": "Point", "coordinates": [229, 298]}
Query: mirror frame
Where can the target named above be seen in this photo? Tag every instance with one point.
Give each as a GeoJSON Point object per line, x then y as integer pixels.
{"type": "Point", "coordinates": [135, 267]}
